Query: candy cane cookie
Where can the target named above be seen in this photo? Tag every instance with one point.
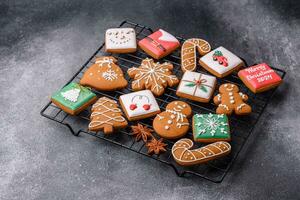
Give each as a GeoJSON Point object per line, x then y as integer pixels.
{"type": "Point", "coordinates": [183, 154]}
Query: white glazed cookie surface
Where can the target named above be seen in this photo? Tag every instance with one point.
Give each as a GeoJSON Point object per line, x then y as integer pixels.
{"type": "Point", "coordinates": [120, 38]}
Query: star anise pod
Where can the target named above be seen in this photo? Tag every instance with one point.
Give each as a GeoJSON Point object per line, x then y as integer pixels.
{"type": "Point", "coordinates": [141, 132]}
{"type": "Point", "coordinates": [156, 146]}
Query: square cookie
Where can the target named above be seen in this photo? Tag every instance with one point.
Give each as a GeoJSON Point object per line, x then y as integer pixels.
{"type": "Point", "coordinates": [159, 44]}
{"type": "Point", "coordinates": [139, 105]}
{"type": "Point", "coordinates": [210, 128]}
{"type": "Point", "coordinates": [221, 62]}
{"type": "Point", "coordinates": [196, 86]}
{"type": "Point", "coordinates": [259, 78]}
{"type": "Point", "coordinates": [120, 40]}
{"type": "Point", "coordinates": [73, 98]}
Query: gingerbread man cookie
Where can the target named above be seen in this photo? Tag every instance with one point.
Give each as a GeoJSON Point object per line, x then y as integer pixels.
{"type": "Point", "coordinates": [104, 75]}
{"type": "Point", "coordinates": [153, 76]}
{"type": "Point", "coordinates": [173, 123]}
{"type": "Point", "coordinates": [230, 99]}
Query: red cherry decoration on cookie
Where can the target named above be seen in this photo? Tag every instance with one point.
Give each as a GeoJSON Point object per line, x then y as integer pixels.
{"type": "Point", "coordinates": [132, 107]}
{"type": "Point", "coordinates": [146, 106]}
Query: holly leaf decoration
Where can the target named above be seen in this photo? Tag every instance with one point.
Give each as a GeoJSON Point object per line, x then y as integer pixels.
{"type": "Point", "coordinates": [190, 84]}
{"type": "Point", "coordinates": [203, 88]}
{"type": "Point", "coordinates": [218, 53]}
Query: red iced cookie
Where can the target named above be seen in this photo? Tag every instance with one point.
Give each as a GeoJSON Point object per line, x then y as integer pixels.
{"type": "Point", "coordinates": [159, 44]}
{"type": "Point", "coordinates": [259, 78]}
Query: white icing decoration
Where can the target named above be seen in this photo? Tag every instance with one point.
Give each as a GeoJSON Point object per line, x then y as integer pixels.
{"type": "Point", "coordinates": [170, 122]}
{"type": "Point", "coordinates": [109, 75]}
{"type": "Point", "coordinates": [71, 95]}
{"type": "Point", "coordinates": [240, 106]}
{"type": "Point", "coordinates": [211, 124]}
{"type": "Point", "coordinates": [167, 127]}
{"type": "Point", "coordinates": [224, 106]}
{"type": "Point", "coordinates": [167, 37]}
{"type": "Point", "coordinates": [120, 38]}
{"type": "Point", "coordinates": [233, 61]}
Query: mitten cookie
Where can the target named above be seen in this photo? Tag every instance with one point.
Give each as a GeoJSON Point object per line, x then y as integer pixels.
{"type": "Point", "coordinates": [159, 44]}
{"type": "Point", "coordinates": [120, 40]}
{"type": "Point", "coordinates": [260, 78]}
{"type": "Point", "coordinates": [221, 62]}
{"type": "Point", "coordinates": [188, 53]}
{"type": "Point", "coordinates": [106, 116]}
{"type": "Point", "coordinates": [153, 76]}
{"type": "Point", "coordinates": [230, 99]}
{"type": "Point", "coordinates": [104, 75]}
{"type": "Point", "coordinates": [183, 154]}
{"type": "Point", "coordinates": [173, 123]}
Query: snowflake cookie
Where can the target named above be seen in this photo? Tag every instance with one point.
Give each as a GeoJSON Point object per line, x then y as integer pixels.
{"type": "Point", "coordinates": [120, 40]}
{"type": "Point", "coordinates": [260, 78]}
{"type": "Point", "coordinates": [159, 44]}
{"type": "Point", "coordinates": [139, 105]}
{"type": "Point", "coordinates": [211, 128]}
{"type": "Point", "coordinates": [221, 62]}
{"type": "Point", "coordinates": [104, 75]}
{"type": "Point", "coordinates": [196, 86]}
{"type": "Point", "coordinates": [153, 76]}
{"type": "Point", "coordinates": [73, 98]}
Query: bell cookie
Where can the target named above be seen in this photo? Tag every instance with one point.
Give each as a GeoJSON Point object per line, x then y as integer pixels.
{"type": "Point", "coordinates": [104, 75]}
{"type": "Point", "coordinates": [260, 78]}
{"type": "Point", "coordinates": [139, 105]}
{"type": "Point", "coordinates": [183, 155]}
{"type": "Point", "coordinates": [188, 53]}
{"type": "Point", "coordinates": [106, 116]}
{"type": "Point", "coordinates": [231, 100]}
{"type": "Point", "coordinates": [196, 86]}
{"type": "Point", "coordinates": [159, 44]}
{"type": "Point", "coordinates": [153, 76]}
{"type": "Point", "coordinates": [120, 40]}
{"type": "Point", "coordinates": [173, 122]}
{"type": "Point", "coordinates": [73, 98]}
{"type": "Point", "coordinates": [210, 127]}
{"type": "Point", "coordinates": [221, 62]}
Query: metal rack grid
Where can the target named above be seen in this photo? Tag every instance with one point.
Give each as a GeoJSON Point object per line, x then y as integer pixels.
{"type": "Point", "coordinates": [241, 126]}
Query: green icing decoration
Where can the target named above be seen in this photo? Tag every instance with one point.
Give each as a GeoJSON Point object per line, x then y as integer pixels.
{"type": "Point", "coordinates": [218, 53]}
{"type": "Point", "coordinates": [190, 84]}
{"type": "Point", "coordinates": [73, 96]}
{"type": "Point", "coordinates": [211, 126]}
{"type": "Point", "coordinates": [203, 88]}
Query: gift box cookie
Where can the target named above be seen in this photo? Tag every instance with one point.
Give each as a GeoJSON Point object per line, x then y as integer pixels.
{"type": "Point", "coordinates": [210, 128]}
{"type": "Point", "coordinates": [120, 40]}
{"type": "Point", "coordinates": [139, 105]}
{"type": "Point", "coordinates": [260, 78]}
{"type": "Point", "coordinates": [221, 62]}
{"type": "Point", "coordinates": [159, 44]}
{"type": "Point", "coordinates": [196, 86]}
{"type": "Point", "coordinates": [73, 98]}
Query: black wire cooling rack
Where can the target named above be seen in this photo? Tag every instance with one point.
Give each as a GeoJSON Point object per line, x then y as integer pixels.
{"type": "Point", "coordinates": [241, 126]}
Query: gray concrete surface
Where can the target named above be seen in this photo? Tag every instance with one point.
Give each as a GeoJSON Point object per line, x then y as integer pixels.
{"type": "Point", "coordinates": [42, 43]}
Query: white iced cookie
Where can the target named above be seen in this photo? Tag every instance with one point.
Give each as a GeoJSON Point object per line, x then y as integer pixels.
{"type": "Point", "coordinates": [120, 40]}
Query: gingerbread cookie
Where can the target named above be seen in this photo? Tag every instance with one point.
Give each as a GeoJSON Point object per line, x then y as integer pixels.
{"type": "Point", "coordinates": [120, 40]}
{"type": "Point", "coordinates": [260, 78]}
{"type": "Point", "coordinates": [221, 62]}
{"type": "Point", "coordinates": [139, 105]}
{"type": "Point", "coordinates": [104, 75]}
{"type": "Point", "coordinates": [159, 44]}
{"type": "Point", "coordinates": [153, 76]}
{"type": "Point", "coordinates": [210, 128]}
{"type": "Point", "coordinates": [230, 99]}
{"type": "Point", "coordinates": [106, 116]}
{"type": "Point", "coordinates": [173, 123]}
{"type": "Point", "coordinates": [183, 154]}
{"type": "Point", "coordinates": [188, 53]}
{"type": "Point", "coordinates": [73, 98]}
{"type": "Point", "coordinates": [196, 86]}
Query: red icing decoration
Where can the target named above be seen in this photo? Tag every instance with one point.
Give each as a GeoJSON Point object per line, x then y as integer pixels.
{"type": "Point", "coordinates": [157, 46]}
{"type": "Point", "coordinates": [147, 106]}
{"type": "Point", "coordinates": [260, 76]}
{"type": "Point", "coordinates": [132, 107]}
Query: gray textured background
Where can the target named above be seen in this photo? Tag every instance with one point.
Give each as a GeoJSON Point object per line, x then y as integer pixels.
{"type": "Point", "coordinates": [42, 43]}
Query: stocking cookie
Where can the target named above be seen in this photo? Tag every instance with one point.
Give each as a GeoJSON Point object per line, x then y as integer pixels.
{"type": "Point", "coordinates": [221, 62]}
{"type": "Point", "coordinates": [120, 40]}
{"type": "Point", "coordinates": [183, 154]}
{"type": "Point", "coordinates": [153, 76]}
{"type": "Point", "coordinates": [231, 100]}
{"type": "Point", "coordinates": [173, 123]}
{"type": "Point", "coordinates": [106, 116]}
{"type": "Point", "coordinates": [104, 75]}
{"type": "Point", "coordinates": [188, 53]}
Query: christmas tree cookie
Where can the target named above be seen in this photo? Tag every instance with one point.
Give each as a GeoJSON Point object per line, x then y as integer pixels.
{"type": "Point", "coordinates": [210, 128]}
{"type": "Point", "coordinates": [106, 116]}
{"type": "Point", "coordinates": [73, 98]}
{"type": "Point", "coordinates": [221, 62]}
